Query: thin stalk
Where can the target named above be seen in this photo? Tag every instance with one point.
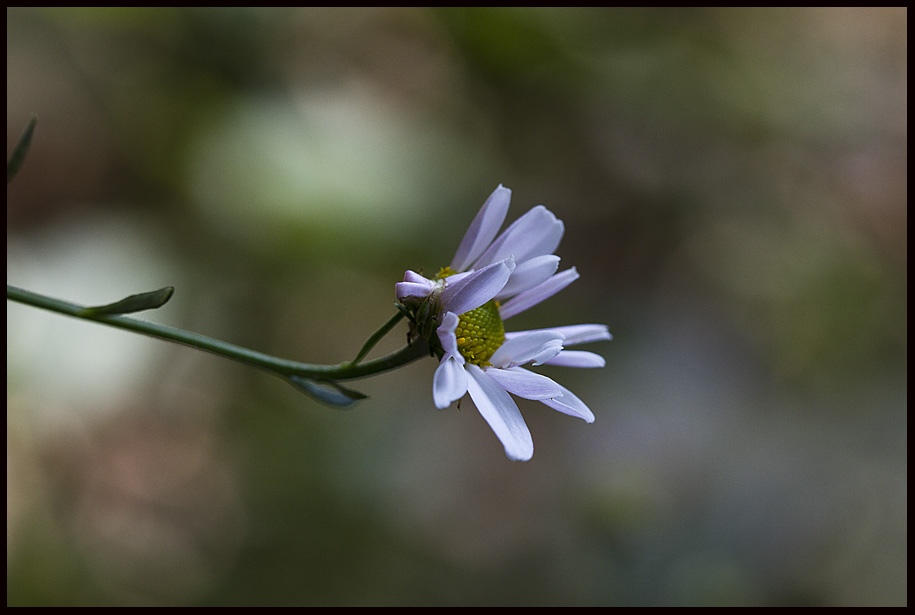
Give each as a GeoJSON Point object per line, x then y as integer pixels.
{"type": "Point", "coordinates": [343, 371]}
{"type": "Point", "coordinates": [377, 335]}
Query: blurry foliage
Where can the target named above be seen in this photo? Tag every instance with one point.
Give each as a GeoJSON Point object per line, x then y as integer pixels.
{"type": "Point", "coordinates": [733, 184]}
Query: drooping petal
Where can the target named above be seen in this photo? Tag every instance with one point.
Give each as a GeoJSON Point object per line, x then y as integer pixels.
{"type": "Point", "coordinates": [446, 335]}
{"type": "Point", "coordinates": [411, 276]}
{"type": "Point", "coordinates": [502, 414]}
{"type": "Point", "coordinates": [449, 383]}
{"type": "Point", "coordinates": [529, 274]}
{"type": "Point", "coordinates": [574, 334]}
{"type": "Point", "coordinates": [534, 347]}
{"type": "Point", "coordinates": [475, 289]}
{"type": "Point", "coordinates": [457, 277]}
{"type": "Point", "coordinates": [536, 233]}
{"type": "Point", "coordinates": [571, 405]}
{"type": "Point", "coordinates": [532, 297]}
{"type": "Point", "coordinates": [577, 358]}
{"type": "Point", "coordinates": [523, 383]}
{"type": "Point", "coordinates": [414, 286]}
{"type": "Point", "coordinates": [483, 228]}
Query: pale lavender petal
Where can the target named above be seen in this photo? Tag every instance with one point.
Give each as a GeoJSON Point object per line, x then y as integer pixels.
{"type": "Point", "coordinates": [571, 405]}
{"type": "Point", "coordinates": [500, 411]}
{"type": "Point", "coordinates": [446, 336]}
{"type": "Point", "coordinates": [411, 276]}
{"type": "Point", "coordinates": [529, 274]}
{"type": "Point", "coordinates": [483, 228]}
{"type": "Point", "coordinates": [406, 290]}
{"type": "Point", "coordinates": [546, 353]}
{"type": "Point", "coordinates": [518, 381]}
{"type": "Point", "coordinates": [449, 383]}
{"type": "Point", "coordinates": [534, 347]}
{"type": "Point", "coordinates": [577, 358]}
{"type": "Point", "coordinates": [532, 297]}
{"type": "Point", "coordinates": [536, 233]}
{"type": "Point", "coordinates": [476, 288]}
{"type": "Point", "coordinates": [457, 277]}
{"type": "Point", "coordinates": [413, 286]}
{"type": "Point", "coordinates": [574, 334]}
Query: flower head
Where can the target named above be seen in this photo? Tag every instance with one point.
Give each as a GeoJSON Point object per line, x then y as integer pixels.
{"type": "Point", "coordinates": [461, 313]}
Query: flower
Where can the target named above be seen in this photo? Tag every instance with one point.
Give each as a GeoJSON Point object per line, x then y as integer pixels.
{"type": "Point", "coordinates": [489, 280]}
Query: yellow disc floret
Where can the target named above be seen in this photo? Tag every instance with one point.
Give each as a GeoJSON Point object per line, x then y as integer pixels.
{"type": "Point", "coordinates": [443, 273]}
{"type": "Point", "coordinates": [480, 333]}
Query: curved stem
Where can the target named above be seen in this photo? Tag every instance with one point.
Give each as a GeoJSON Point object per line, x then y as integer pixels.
{"type": "Point", "coordinates": [377, 335]}
{"type": "Point", "coordinates": [343, 371]}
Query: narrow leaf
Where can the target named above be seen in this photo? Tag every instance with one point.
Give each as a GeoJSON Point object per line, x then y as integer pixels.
{"type": "Point", "coordinates": [326, 392]}
{"type": "Point", "coordinates": [134, 303]}
{"type": "Point", "coordinates": [22, 147]}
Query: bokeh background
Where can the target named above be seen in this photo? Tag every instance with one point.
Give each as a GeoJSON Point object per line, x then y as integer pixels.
{"type": "Point", "coordinates": [733, 184]}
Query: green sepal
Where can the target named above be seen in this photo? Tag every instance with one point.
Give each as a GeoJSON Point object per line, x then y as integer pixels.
{"type": "Point", "coordinates": [22, 147]}
{"type": "Point", "coordinates": [405, 311]}
{"type": "Point", "coordinates": [134, 303]}
{"type": "Point", "coordinates": [327, 392]}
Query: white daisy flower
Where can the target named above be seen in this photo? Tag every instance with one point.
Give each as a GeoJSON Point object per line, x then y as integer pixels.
{"type": "Point", "coordinates": [489, 280]}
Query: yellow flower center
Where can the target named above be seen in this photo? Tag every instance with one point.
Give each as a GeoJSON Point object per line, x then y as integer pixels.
{"type": "Point", "coordinates": [443, 273]}
{"type": "Point", "coordinates": [480, 333]}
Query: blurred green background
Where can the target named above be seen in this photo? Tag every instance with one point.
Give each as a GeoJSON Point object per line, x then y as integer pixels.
{"type": "Point", "coordinates": [733, 184]}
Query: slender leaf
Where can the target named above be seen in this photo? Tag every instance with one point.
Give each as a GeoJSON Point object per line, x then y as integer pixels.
{"type": "Point", "coordinates": [327, 392]}
{"type": "Point", "coordinates": [22, 147]}
{"type": "Point", "coordinates": [134, 303]}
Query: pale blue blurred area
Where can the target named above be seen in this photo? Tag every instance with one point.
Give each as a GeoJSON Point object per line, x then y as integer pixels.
{"type": "Point", "coordinates": [733, 184]}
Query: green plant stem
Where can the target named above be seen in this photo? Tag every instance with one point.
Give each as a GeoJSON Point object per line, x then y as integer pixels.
{"type": "Point", "coordinates": [377, 335]}
{"type": "Point", "coordinates": [343, 371]}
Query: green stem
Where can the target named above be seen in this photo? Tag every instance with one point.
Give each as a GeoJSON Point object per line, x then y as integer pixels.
{"type": "Point", "coordinates": [283, 367]}
{"type": "Point", "coordinates": [377, 335]}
